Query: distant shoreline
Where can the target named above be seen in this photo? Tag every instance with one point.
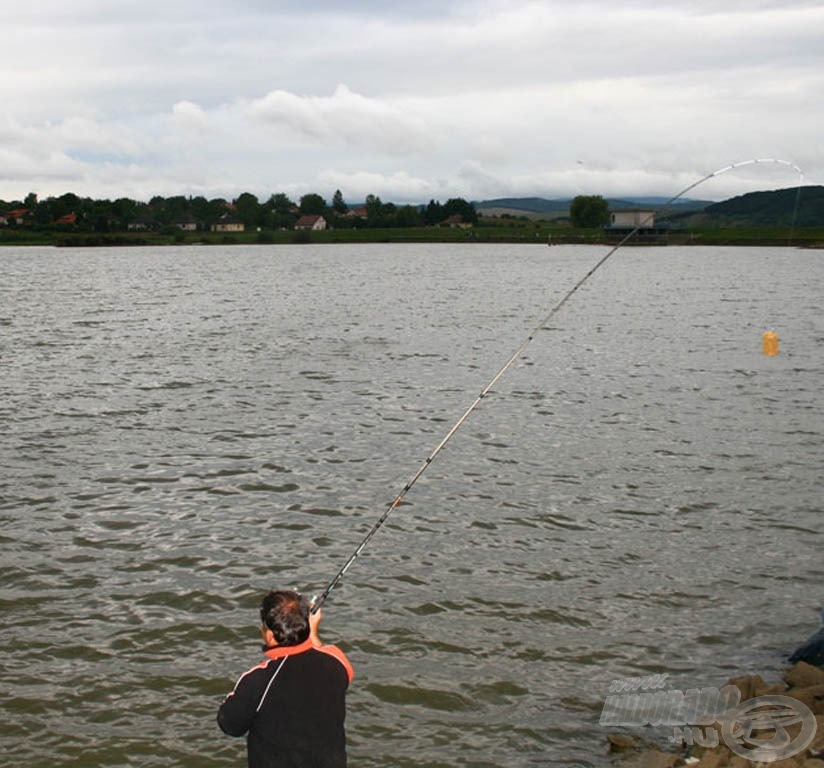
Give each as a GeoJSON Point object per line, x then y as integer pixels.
{"type": "Point", "coordinates": [487, 233]}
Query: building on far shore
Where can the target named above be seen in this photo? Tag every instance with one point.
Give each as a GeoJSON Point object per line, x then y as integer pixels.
{"type": "Point", "coordinates": [228, 223]}
{"type": "Point", "coordinates": [311, 223]}
{"type": "Point", "coordinates": [18, 216]}
{"type": "Point", "coordinates": [632, 217]}
{"type": "Point", "coordinates": [187, 223]}
{"type": "Point", "coordinates": [639, 222]}
{"type": "Point", "coordinates": [456, 221]}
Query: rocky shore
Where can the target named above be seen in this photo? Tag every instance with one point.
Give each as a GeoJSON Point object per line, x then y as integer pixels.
{"type": "Point", "coordinates": [802, 682]}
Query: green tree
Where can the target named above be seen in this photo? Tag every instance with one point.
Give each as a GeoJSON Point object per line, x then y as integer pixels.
{"type": "Point", "coordinates": [43, 216]}
{"type": "Point", "coordinates": [281, 203]}
{"type": "Point", "coordinates": [434, 213]}
{"type": "Point", "coordinates": [459, 206]}
{"type": "Point", "coordinates": [338, 204]}
{"type": "Point", "coordinates": [101, 216]}
{"type": "Point", "coordinates": [588, 211]}
{"type": "Point", "coordinates": [201, 209]}
{"type": "Point", "coordinates": [375, 213]}
{"type": "Point", "coordinates": [168, 209]}
{"type": "Point", "coordinates": [283, 211]}
{"type": "Point", "coordinates": [408, 216]}
{"type": "Point", "coordinates": [71, 203]}
{"type": "Point", "coordinates": [124, 211]}
{"type": "Point", "coordinates": [312, 205]}
{"type": "Point", "coordinates": [176, 209]}
{"type": "Point", "coordinates": [68, 203]}
{"type": "Point", "coordinates": [248, 209]}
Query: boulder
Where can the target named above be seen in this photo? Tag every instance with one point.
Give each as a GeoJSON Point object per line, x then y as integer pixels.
{"type": "Point", "coordinates": [714, 759]}
{"type": "Point", "coordinates": [655, 759]}
{"type": "Point", "coordinates": [747, 684]}
{"type": "Point", "coordinates": [812, 697]}
{"type": "Point", "coordinates": [803, 675]}
{"type": "Point", "coordinates": [620, 742]}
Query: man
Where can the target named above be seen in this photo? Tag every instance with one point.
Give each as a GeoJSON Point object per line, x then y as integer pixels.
{"type": "Point", "coordinates": [291, 706]}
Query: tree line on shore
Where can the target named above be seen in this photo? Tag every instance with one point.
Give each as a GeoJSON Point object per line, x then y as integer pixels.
{"type": "Point", "coordinates": [800, 207]}
{"type": "Point", "coordinates": [71, 212]}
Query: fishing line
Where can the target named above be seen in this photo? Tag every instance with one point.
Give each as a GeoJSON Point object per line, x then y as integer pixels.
{"type": "Point", "coordinates": [320, 599]}
{"type": "Point", "coordinates": [795, 212]}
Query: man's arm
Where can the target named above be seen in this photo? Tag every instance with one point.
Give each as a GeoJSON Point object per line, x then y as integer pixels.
{"type": "Point", "coordinates": [314, 626]}
{"type": "Point", "coordinates": [332, 650]}
{"type": "Point", "coordinates": [240, 707]}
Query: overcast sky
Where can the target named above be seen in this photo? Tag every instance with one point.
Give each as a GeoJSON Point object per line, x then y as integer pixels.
{"type": "Point", "coordinates": [408, 100]}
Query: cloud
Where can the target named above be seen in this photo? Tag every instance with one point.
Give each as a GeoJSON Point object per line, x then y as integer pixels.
{"type": "Point", "coordinates": [189, 116]}
{"type": "Point", "coordinates": [399, 186]}
{"type": "Point", "coordinates": [482, 95]}
{"type": "Point", "coordinates": [32, 167]}
{"type": "Point", "coordinates": [345, 117]}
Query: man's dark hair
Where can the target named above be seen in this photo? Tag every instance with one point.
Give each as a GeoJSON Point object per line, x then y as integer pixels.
{"type": "Point", "coordinates": [286, 613]}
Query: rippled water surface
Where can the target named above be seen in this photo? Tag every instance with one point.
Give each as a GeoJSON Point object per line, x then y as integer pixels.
{"type": "Point", "coordinates": [184, 428]}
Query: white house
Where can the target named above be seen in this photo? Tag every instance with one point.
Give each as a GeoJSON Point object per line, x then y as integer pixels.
{"type": "Point", "coordinates": [187, 224]}
{"type": "Point", "coordinates": [227, 223]}
{"type": "Point", "coordinates": [632, 217]}
{"type": "Point", "coordinates": [314, 223]}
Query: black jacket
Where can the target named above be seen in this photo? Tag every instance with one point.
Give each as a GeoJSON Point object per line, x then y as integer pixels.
{"type": "Point", "coordinates": [292, 708]}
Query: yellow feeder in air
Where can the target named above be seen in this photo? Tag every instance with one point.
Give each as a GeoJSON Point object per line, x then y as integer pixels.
{"type": "Point", "coordinates": [769, 343]}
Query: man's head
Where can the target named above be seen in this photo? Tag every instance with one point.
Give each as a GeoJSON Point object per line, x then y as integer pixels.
{"type": "Point", "coordinates": [286, 615]}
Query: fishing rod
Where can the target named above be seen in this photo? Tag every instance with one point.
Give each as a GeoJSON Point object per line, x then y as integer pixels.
{"type": "Point", "coordinates": [320, 599]}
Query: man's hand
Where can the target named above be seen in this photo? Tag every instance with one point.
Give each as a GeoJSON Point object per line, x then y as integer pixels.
{"type": "Point", "coordinates": [314, 625]}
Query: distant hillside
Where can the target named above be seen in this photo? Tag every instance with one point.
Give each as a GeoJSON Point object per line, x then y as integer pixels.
{"type": "Point", "coordinates": [680, 205]}
{"type": "Point", "coordinates": [776, 208]}
{"type": "Point", "coordinates": [525, 204]}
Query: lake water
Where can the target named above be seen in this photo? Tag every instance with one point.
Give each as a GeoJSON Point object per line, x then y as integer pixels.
{"type": "Point", "coordinates": [184, 428]}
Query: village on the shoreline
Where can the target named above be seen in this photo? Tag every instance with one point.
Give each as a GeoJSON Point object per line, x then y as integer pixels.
{"type": "Point", "coordinates": [70, 213]}
{"type": "Point", "coordinates": [70, 220]}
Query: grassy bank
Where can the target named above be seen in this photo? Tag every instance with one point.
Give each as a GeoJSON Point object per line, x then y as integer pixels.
{"type": "Point", "coordinates": [488, 231]}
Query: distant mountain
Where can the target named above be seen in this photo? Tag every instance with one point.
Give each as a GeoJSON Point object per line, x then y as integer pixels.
{"type": "Point", "coordinates": [526, 204]}
{"type": "Point", "coordinates": [799, 206]}
{"type": "Point", "coordinates": [682, 204]}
